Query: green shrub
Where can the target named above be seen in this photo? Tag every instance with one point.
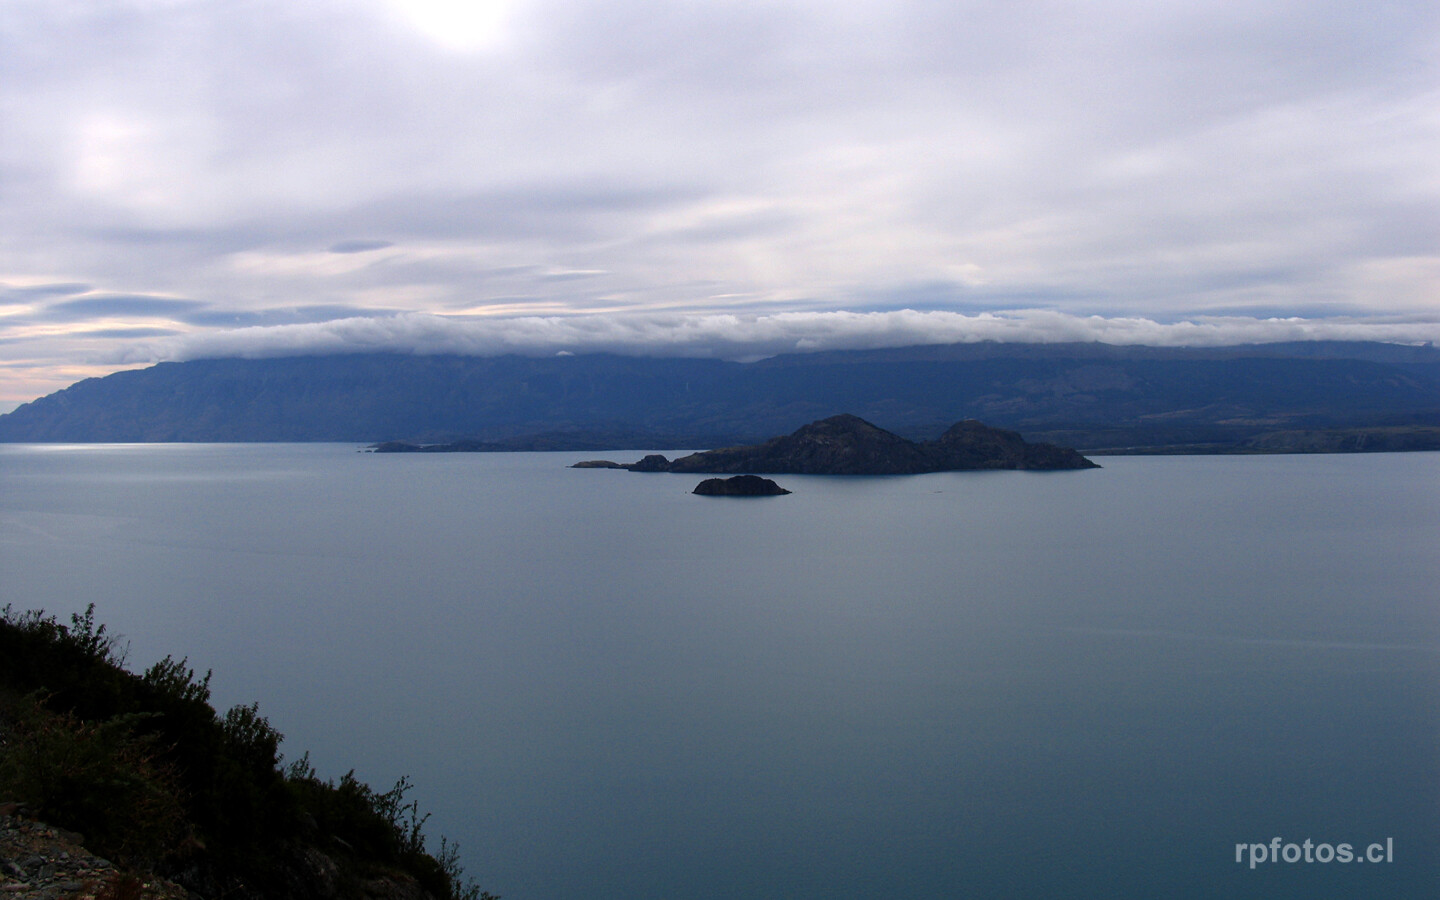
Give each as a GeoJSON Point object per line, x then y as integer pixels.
{"type": "Point", "coordinates": [98, 778]}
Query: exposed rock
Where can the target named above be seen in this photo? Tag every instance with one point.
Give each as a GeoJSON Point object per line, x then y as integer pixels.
{"type": "Point", "coordinates": [739, 486]}
{"type": "Point", "coordinates": [324, 874]}
{"type": "Point", "coordinates": [37, 860]}
{"type": "Point", "coordinates": [597, 464]}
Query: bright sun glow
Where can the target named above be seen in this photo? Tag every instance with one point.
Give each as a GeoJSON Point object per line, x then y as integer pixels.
{"type": "Point", "coordinates": [462, 25]}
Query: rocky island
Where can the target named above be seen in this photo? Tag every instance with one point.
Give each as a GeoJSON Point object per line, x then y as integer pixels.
{"type": "Point", "coordinates": [739, 486]}
{"type": "Point", "coordinates": [849, 445]}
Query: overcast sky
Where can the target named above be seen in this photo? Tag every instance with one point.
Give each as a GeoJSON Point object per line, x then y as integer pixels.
{"type": "Point", "coordinates": [181, 178]}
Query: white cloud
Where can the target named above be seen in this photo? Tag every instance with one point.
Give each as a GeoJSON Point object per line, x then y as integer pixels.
{"type": "Point", "coordinates": [557, 159]}
{"type": "Point", "coordinates": [458, 25]}
{"type": "Point", "coordinates": [748, 336]}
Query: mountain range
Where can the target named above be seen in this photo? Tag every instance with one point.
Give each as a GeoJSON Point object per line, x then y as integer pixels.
{"type": "Point", "coordinates": [1095, 397]}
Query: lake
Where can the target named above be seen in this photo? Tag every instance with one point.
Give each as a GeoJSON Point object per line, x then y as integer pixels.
{"type": "Point", "coordinates": [991, 685]}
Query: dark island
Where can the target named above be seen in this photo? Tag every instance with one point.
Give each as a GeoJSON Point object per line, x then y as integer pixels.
{"type": "Point", "coordinates": [849, 445]}
{"type": "Point", "coordinates": [739, 486]}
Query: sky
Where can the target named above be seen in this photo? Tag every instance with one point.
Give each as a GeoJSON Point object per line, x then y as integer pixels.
{"type": "Point", "coordinates": [187, 179]}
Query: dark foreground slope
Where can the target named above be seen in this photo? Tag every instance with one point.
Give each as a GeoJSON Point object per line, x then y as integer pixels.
{"type": "Point", "coordinates": [1092, 396]}
{"type": "Point", "coordinates": [157, 782]}
{"type": "Point", "coordinates": [849, 445]}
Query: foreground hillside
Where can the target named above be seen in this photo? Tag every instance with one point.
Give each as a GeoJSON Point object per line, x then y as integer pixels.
{"type": "Point", "coordinates": [1091, 396]}
{"type": "Point", "coordinates": [159, 784]}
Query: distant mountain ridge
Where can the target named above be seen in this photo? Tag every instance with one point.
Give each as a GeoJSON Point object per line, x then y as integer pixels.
{"type": "Point", "coordinates": [1091, 396]}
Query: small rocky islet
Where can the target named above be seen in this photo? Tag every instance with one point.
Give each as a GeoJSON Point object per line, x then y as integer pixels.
{"type": "Point", "coordinates": [739, 486]}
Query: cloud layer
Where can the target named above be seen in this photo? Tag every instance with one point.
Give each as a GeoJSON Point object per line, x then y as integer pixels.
{"type": "Point", "coordinates": [732, 336]}
{"type": "Point", "coordinates": [193, 166]}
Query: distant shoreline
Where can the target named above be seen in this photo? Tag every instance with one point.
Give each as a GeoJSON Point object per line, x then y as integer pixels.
{"type": "Point", "coordinates": [1322, 440]}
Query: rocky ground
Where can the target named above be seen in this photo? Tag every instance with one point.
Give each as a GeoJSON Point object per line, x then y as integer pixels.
{"type": "Point", "coordinates": [39, 861]}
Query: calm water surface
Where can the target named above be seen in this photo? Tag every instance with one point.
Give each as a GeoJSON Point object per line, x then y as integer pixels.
{"type": "Point", "coordinates": [992, 685]}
